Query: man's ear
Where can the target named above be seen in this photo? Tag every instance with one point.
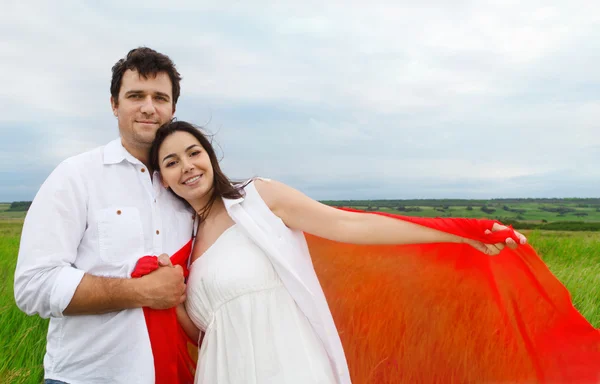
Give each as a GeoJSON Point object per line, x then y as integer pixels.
{"type": "Point", "coordinates": [113, 106]}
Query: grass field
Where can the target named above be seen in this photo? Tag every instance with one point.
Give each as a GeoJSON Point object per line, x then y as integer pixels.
{"type": "Point", "coordinates": [574, 257]}
{"type": "Point", "coordinates": [5, 214]}
{"type": "Point", "coordinates": [22, 338]}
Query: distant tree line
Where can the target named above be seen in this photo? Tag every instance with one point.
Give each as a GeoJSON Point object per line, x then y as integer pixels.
{"type": "Point", "coordinates": [403, 208]}
{"type": "Point", "coordinates": [580, 202]}
{"type": "Point", "coordinates": [20, 206]}
{"type": "Point", "coordinates": [498, 203]}
{"type": "Point", "coordinates": [559, 210]}
{"type": "Point", "coordinates": [515, 210]}
{"type": "Point", "coordinates": [393, 204]}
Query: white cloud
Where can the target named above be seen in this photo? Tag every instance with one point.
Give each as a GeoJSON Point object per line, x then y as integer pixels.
{"type": "Point", "coordinates": [313, 91]}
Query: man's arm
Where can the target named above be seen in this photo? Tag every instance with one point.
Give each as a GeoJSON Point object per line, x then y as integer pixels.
{"type": "Point", "coordinates": [46, 281]}
{"type": "Point", "coordinates": [161, 289]}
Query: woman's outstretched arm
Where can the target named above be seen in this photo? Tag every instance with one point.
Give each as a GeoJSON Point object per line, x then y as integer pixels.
{"type": "Point", "coordinates": [300, 212]}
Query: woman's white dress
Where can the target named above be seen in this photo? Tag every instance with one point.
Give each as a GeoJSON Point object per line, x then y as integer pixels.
{"type": "Point", "coordinates": [254, 331]}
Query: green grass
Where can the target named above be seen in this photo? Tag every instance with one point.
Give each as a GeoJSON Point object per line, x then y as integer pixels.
{"type": "Point", "coordinates": [574, 257]}
{"type": "Point", "coordinates": [22, 337]}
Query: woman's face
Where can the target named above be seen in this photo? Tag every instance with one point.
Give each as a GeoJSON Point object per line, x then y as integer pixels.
{"type": "Point", "coordinates": [185, 167]}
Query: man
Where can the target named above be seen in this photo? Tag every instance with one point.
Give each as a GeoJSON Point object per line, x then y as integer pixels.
{"type": "Point", "coordinates": [90, 222]}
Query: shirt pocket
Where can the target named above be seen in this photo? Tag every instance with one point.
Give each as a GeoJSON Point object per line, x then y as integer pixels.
{"type": "Point", "coordinates": [120, 234]}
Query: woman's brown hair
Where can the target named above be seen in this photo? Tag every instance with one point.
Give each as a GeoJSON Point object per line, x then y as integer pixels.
{"type": "Point", "coordinates": [222, 185]}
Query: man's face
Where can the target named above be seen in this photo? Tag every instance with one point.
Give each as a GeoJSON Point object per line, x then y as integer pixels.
{"type": "Point", "coordinates": [143, 106]}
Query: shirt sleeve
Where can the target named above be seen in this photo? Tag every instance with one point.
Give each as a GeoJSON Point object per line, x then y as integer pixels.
{"type": "Point", "coordinates": [45, 278]}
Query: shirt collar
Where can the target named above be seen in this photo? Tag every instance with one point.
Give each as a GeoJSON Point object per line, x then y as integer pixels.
{"type": "Point", "coordinates": [114, 153]}
{"type": "Point", "coordinates": [231, 202]}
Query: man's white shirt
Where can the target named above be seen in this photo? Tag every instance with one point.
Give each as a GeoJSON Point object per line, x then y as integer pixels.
{"type": "Point", "coordinates": [97, 213]}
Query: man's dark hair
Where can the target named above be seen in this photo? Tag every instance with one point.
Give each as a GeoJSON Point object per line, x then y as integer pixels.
{"type": "Point", "coordinates": [147, 62]}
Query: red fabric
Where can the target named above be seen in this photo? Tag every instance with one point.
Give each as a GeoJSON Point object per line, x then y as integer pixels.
{"type": "Point", "coordinates": [172, 349]}
{"type": "Point", "coordinates": [434, 313]}
{"type": "Point", "coordinates": [446, 313]}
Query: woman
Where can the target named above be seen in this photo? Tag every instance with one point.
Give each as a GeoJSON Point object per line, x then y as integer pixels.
{"type": "Point", "coordinates": [252, 288]}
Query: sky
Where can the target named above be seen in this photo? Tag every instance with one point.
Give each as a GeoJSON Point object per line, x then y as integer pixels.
{"type": "Point", "coordinates": [342, 100]}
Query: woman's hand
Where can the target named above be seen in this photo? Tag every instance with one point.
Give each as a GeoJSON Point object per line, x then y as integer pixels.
{"type": "Point", "coordinates": [494, 249]}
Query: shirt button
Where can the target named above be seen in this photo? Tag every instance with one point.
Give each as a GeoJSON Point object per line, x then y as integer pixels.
{"type": "Point", "coordinates": [119, 212]}
{"type": "Point", "coordinates": [143, 170]}
{"type": "Point", "coordinates": [157, 231]}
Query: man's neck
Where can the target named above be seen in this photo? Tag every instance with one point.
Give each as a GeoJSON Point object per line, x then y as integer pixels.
{"type": "Point", "coordinates": [140, 153]}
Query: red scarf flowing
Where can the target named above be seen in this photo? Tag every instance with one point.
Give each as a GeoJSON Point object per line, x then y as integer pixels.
{"type": "Point", "coordinates": [429, 313]}
{"type": "Point", "coordinates": [446, 313]}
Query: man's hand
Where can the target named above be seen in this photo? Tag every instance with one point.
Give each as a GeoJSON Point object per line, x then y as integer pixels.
{"type": "Point", "coordinates": [165, 287]}
{"type": "Point", "coordinates": [494, 249]}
